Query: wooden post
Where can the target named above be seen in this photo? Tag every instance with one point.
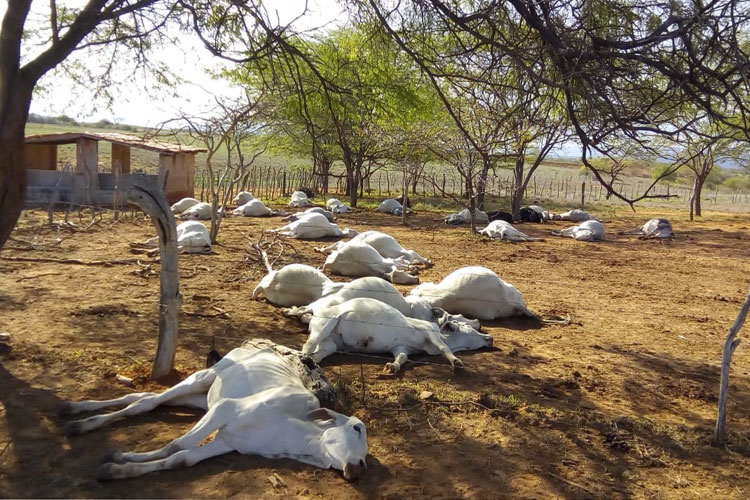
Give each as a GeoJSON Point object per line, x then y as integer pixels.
{"type": "Point", "coordinates": [729, 346]}
{"type": "Point", "coordinates": [153, 201]}
{"type": "Point", "coordinates": [583, 195]}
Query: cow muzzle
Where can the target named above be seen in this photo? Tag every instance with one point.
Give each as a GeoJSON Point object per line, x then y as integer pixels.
{"type": "Point", "coordinates": [352, 472]}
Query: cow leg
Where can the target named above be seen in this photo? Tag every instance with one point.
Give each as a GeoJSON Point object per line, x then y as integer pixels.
{"type": "Point", "coordinates": [215, 418]}
{"type": "Point", "coordinates": [325, 349]}
{"type": "Point", "coordinates": [197, 383]}
{"type": "Point", "coordinates": [183, 458]}
{"type": "Point", "coordinates": [401, 358]}
{"type": "Point", "coordinates": [328, 248]}
{"type": "Point", "coordinates": [73, 407]}
{"type": "Point", "coordinates": [434, 338]}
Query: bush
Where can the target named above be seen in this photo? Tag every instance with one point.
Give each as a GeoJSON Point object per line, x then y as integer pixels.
{"type": "Point", "coordinates": [65, 119]}
{"type": "Point", "coordinates": [660, 169]}
{"type": "Point", "coordinates": [737, 182]}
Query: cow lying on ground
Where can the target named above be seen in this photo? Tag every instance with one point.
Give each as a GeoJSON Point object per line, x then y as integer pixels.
{"type": "Point", "coordinates": [475, 292]}
{"type": "Point", "coordinates": [199, 211]}
{"type": "Point", "coordinates": [192, 237]}
{"type": "Point", "coordinates": [313, 226]}
{"type": "Point", "coordinates": [500, 215]}
{"type": "Point", "coordinates": [501, 230]}
{"type": "Point", "coordinates": [294, 285]}
{"type": "Point", "coordinates": [360, 259]}
{"type": "Point", "coordinates": [183, 205]}
{"type": "Point", "coordinates": [308, 192]}
{"type": "Point", "coordinates": [257, 405]}
{"type": "Point", "coordinates": [574, 215]}
{"type": "Point", "coordinates": [653, 229]}
{"type": "Point", "coordinates": [378, 289]}
{"type": "Point", "coordinates": [242, 198]}
{"type": "Point", "coordinates": [400, 199]}
{"type": "Point", "coordinates": [370, 326]}
{"type": "Point", "coordinates": [336, 207]}
{"type": "Point", "coordinates": [254, 208]}
{"type": "Point", "coordinates": [531, 214]}
{"type": "Point", "coordinates": [464, 217]}
{"type": "Point", "coordinates": [390, 206]}
{"type": "Point", "coordinates": [590, 230]}
{"type": "Point", "coordinates": [385, 244]}
{"type": "Point", "coordinates": [317, 210]}
{"type": "Point", "coordinates": [299, 200]}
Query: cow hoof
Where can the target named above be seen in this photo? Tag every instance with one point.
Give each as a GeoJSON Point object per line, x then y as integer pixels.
{"type": "Point", "coordinates": [73, 428]}
{"type": "Point", "coordinates": [104, 472]}
{"type": "Point", "coordinates": [113, 456]}
{"type": "Point", "coordinates": [458, 365]}
{"type": "Point", "coordinates": [65, 409]}
{"type": "Point", "coordinates": [390, 368]}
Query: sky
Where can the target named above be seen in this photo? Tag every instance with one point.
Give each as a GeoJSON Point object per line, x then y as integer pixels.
{"type": "Point", "coordinates": [136, 102]}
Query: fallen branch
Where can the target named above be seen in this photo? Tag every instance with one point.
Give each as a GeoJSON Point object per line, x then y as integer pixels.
{"type": "Point", "coordinates": [77, 262]}
{"type": "Point", "coordinates": [571, 483]}
{"type": "Point", "coordinates": [220, 313]}
{"type": "Point", "coordinates": [35, 276]}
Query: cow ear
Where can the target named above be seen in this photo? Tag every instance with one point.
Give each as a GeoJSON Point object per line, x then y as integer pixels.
{"type": "Point", "coordinates": [321, 414]}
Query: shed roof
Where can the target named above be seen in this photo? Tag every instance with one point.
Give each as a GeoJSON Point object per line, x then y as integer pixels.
{"type": "Point", "coordinates": [122, 139]}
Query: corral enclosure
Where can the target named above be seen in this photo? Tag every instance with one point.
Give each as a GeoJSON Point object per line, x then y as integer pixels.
{"type": "Point", "coordinates": [618, 404]}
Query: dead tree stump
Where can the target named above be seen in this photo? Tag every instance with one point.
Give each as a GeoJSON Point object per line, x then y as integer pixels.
{"type": "Point", "coordinates": [152, 201]}
{"type": "Point", "coordinates": [310, 373]}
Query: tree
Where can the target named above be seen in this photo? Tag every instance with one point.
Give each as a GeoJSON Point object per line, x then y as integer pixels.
{"type": "Point", "coordinates": [624, 68]}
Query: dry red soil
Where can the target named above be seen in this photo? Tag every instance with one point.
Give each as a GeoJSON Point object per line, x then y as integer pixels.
{"type": "Point", "coordinates": [618, 404]}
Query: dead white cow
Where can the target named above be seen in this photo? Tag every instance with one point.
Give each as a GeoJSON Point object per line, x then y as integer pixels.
{"type": "Point", "coordinates": [192, 237]}
{"type": "Point", "coordinates": [253, 208]}
{"type": "Point", "coordinates": [183, 205]}
{"type": "Point", "coordinates": [337, 207]}
{"type": "Point", "coordinates": [317, 210]}
{"type": "Point", "coordinates": [464, 217]}
{"type": "Point", "coordinates": [653, 229]}
{"type": "Point", "coordinates": [242, 198]}
{"type": "Point", "coordinates": [385, 244]}
{"type": "Point", "coordinates": [299, 200]}
{"type": "Point", "coordinates": [370, 326]}
{"type": "Point", "coordinates": [360, 259]}
{"type": "Point", "coordinates": [199, 211]}
{"type": "Point", "coordinates": [575, 215]}
{"type": "Point", "coordinates": [502, 230]}
{"type": "Point", "coordinates": [591, 230]}
{"type": "Point", "coordinates": [294, 285]}
{"type": "Point", "coordinates": [257, 405]}
{"type": "Point", "coordinates": [390, 206]}
{"type": "Point", "coordinates": [313, 226]}
{"type": "Point", "coordinates": [378, 289]}
{"type": "Point", "coordinates": [475, 292]}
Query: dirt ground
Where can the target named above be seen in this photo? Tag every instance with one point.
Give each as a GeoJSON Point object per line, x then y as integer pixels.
{"type": "Point", "coordinates": [618, 404]}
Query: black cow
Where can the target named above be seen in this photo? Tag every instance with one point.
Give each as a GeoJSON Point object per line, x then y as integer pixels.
{"type": "Point", "coordinates": [527, 214]}
{"type": "Point", "coordinates": [500, 215]}
{"type": "Point", "coordinates": [400, 199]}
{"type": "Point", "coordinates": [308, 192]}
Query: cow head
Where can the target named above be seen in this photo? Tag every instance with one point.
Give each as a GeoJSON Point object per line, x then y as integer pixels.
{"type": "Point", "coordinates": [462, 337]}
{"type": "Point", "coordinates": [343, 442]}
{"type": "Point", "coordinates": [442, 316]}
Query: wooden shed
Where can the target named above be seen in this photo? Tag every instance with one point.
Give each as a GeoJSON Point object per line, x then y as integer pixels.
{"type": "Point", "coordinates": [85, 184]}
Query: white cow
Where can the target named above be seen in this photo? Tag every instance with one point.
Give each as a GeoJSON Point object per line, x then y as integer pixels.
{"type": "Point", "coordinates": [591, 230]}
{"type": "Point", "coordinates": [370, 326]}
{"type": "Point", "coordinates": [242, 198]}
{"type": "Point", "coordinates": [183, 205]}
{"type": "Point", "coordinates": [390, 206]}
{"type": "Point", "coordinates": [253, 208]}
{"type": "Point", "coordinates": [294, 285]}
{"type": "Point", "coordinates": [312, 226]}
{"type": "Point", "coordinates": [360, 259]}
{"type": "Point", "coordinates": [475, 292]}
{"type": "Point", "coordinates": [299, 200]}
{"type": "Point", "coordinates": [385, 244]}
{"type": "Point", "coordinates": [257, 405]}
{"type": "Point", "coordinates": [192, 237]}
{"type": "Point", "coordinates": [378, 289]}
{"type": "Point", "coordinates": [575, 215]}
{"type": "Point", "coordinates": [654, 228]}
{"type": "Point", "coordinates": [317, 210]}
{"type": "Point", "coordinates": [199, 211]}
{"type": "Point", "coordinates": [337, 207]}
{"type": "Point", "coordinates": [501, 230]}
{"type": "Point", "coordinates": [464, 217]}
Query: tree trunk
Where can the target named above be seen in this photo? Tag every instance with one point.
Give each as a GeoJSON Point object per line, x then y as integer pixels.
{"type": "Point", "coordinates": [352, 179]}
{"type": "Point", "coordinates": [516, 196]}
{"type": "Point", "coordinates": [13, 114]}
{"type": "Point", "coordinates": [482, 184]}
{"type": "Point", "coordinates": [695, 200]}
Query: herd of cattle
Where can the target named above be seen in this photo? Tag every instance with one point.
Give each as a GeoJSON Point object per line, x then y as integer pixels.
{"type": "Point", "coordinates": [257, 405]}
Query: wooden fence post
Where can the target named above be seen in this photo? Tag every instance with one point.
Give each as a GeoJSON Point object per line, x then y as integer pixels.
{"type": "Point", "coordinates": [151, 200]}
{"type": "Point", "coordinates": [583, 195]}
{"type": "Point", "coordinates": [729, 346]}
